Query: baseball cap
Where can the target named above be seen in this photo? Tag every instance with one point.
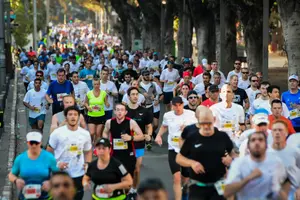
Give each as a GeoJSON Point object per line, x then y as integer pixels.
{"type": "Point", "coordinates": [260, 118]}
{"type": "Point", "coordinates": [177, 100]}
{"type": "Point", "coordinates": [186, 73]}
{"type": "Point", "coordinates": [261, 111]}
{"type": "Point", "coordinates": [34, 136]}
{"type": "Point", "coordinates": [191, 92]}
{"type": "Point", "coordinates": [155, 54]}
{"type": "Point", "coordinates": [103, 141]}
{"type": "Point", "coordinates": [186, 60]}
{"type": "Point", "coordinates": [293, 77]}
{"type": "Point", "coordinates": [213, 88]}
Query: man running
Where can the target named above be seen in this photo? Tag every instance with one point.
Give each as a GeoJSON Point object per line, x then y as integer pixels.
{"type": "Point", "coordinates": [120, 130]}
{"type": "Point", "coordinates": [72, 148]}
{"type": "Point", "coordinates": [258, 175]}
{"type": "Point", "coordinates": [141, 116]}
{"type": "Point", "coordinates": [174, 122]}
{"type": "Point", "coordinates": [193, 100]}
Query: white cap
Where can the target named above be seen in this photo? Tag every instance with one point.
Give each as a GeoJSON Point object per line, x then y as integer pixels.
{"type": "Point", "coordinates": [34, 136]}
{"type": "Point", "coordinates": [260, 118]}
{"type": "Point", "coordinates": [293, 77]}
{"type": "Point", "coordinates": [204, 61]}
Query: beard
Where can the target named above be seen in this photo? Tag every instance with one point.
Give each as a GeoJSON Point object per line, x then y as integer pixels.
{"type": "Point", "coordinates": [256, 154]}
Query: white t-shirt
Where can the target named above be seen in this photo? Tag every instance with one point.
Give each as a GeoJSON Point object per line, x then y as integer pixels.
{"type": "Point", "coordinates": [52, 69]}
{"type": "Point", "coordinates": [243, 84]}
{"type": "Point", "coordinates": [111, 87]}
{"type": "Point", "coordinates": [294, 140]}
{"type": "Point", "coordinates": [223, 79]}
{"type": "Point", "coordinates": [200, 89]}
{"type": "Point", "coordinates": [290, 157]}
{"type": "Point", "coordinates": [31, 74]}
{"type": "Point", "coordinates": [171, 76]}
{"type": "Point", "coordinates": [74, 67]}
{"type": "Point", "coordinates": [31, 85]}
{"type": "Point", "coordinates": [228, 119]}
{"type": "Point", "coordinates": [154, 65]}
{"type": "Point", "coordinates": [124, 87]}
{"type": "Point", "coordinates": [260, 103]}
{"type": "Point", "coordinates": [233, 73]}
{"type": "Point", "coordinates": [273, 174]}
{"type": "Point", "coordinates": [113, 63]}
{"type": "Point", "coordinates": [198, 79]}
{"type": "Point", "coordinates": [143, 63]}
{"type": "Point", "coordinates": [251, 94]}
{"type": "Point", "coordinates": [24, 72]}
{"type": "Point", "coordinates": [80, 90]}
{"type": "Point", "coordinates": [38, 100]}
{"type": "Point", "coordinates": [159, 92]}
{"type": "Point", "coordinates": [185, 101]}
{"type": "Point", "coordinates": [69, 147]}
{"type": "Point", "coordinates": [174, 122]}
{"type": "Point", "coordinates": [141, 99]}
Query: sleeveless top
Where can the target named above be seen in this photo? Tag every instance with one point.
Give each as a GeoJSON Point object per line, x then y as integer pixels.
{"type": "Point", "coordinates": [121, 149]}
{"type": "Point", "coordinates": [96, 103]}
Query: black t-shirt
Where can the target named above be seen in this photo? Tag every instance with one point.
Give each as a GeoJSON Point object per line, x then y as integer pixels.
{"type": "Point", "coordinates": [113, 173]}
{"type": "Point", "coordinates": [239, 96]}
{"type": "Point", "coordinates": [141, 116]}
{"type": "Point", "coordinates": [188, 108]}
{"type": "Point", "coordinates": [209, 152]}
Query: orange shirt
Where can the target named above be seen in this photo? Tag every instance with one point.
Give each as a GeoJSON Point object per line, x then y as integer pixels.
{"type": "Point", "coordinates": [291, 129]}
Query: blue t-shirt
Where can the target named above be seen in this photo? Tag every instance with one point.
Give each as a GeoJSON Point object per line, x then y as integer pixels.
{"type": "Point", "coordinates": [291, 100]}
{"type": "Point", "coordinates": [35, 171]}
{"type": "Point", "coordinates": [57, 90]}
{"type": "Point", "coordinates": [89, 74]}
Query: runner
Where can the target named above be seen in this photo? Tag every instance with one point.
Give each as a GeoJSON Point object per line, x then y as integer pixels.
{"type": "Point", "coordinates": [236, 71]}
{"type": "Point", "coordinates": [31, 169]}
{"type": "Point", "coordinates": [35, 101]}
{"type": "Point", "coordinates": [62, 186]}
{"type": "Point", "coordinates": [290, 156]}
{"type": "Point", "coordinates": [124, 86]}
{"type": "Point", "coordinates": [253, 89]}
{"type": "Point", "coordinates": [39, 75]}
{"type": "Point", "coordinates": [72, 148]}
{"type": "Point", "coordinates": [193, 101]}
{"type": "Point", "coordinates": [80, 90]}
{"type": "Point", "coordinates": [108, 174]}
{"type": "Point", "coordinates": [185, 88]}
{"type": "Point", "coordinates": [213, 96]}
{"type": "Point", "coordinates": [120, 130]}
{"type": "Point", "coordinates": [141, 116]}
{"type": "Point", "coordinates": [206, 152]}
{"type": "Point", "coordinates": [53, 68]}
{"type": "Point", "coordinates": [95, 101]}
{"type": "Point", "coordinates": [141, 98]}
{"type": "Point", "coordinates": [59, 119]}
{"type": "Point", "coordinates": [292, 99]}
{"type": "Point", "coordinates": [244, 82]}
{"type": "Point", "coordinates": [174, 122]}
{"type": "Point", "coordinates": [25, 69]}
{"type": "Point", "coordinates": [240, 96]}
{"type": "Point", "coordinates": [258, 175]}
{"type": "Point", "coordinates": [215, 68]}
{"type": "Point", "coordinates": [152, 189]}
{"type": "Point", "coordinates": [57, 90]}
{"type": "Point", "coordinates": [87, 74]}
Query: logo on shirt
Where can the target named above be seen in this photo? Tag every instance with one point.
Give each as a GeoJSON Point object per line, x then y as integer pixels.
{"type": "Point", "coordinates": [141, 114]}
{"type": "Point", "coordinates": [198, 145]}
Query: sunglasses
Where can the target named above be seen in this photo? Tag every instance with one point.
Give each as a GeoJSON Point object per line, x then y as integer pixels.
{"type": "Point", "coordinates": [237, 63]}
{"type": "Point", "coordinates": [193, 97]}
{"type": "Point", "coordinates": [38, 75]}
{"type": "Point", "coordinates": [205, 123]}
{"type": "Point", "coordinates": [58, 185]}
{"type": "Point", "coordinates": [33, 142]}
{"type": "Point", "coordinates": [254, 80]}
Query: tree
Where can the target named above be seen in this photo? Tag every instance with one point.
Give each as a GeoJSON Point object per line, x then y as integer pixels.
{"type": "Point", "coordinates": [169, 30]}
{"type": "Point", "coordinates": [289, 11]}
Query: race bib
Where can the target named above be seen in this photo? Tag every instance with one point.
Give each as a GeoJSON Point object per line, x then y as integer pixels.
{"type": "Point", "coordinates": [228, 125]}
{"type": "Point", "coordinates": [294, 114]}
{"type": "Point", "coordinates": [96, 108]}
{"type": "Point", "coordinates": [37, 110]}
{"type": "Point", "coordinates": [220, 187]}
{"type": "Point", "coordinates": [32, 191]}
{"type": "Point", "coordinates": [53, 75]}
{"type": "Point", "coordinates": [60, 96]}
{"type": "Point", "coordinates": [119, 144]}
{"type": "Point", "coordinates": [170, 83]}
{"type": "Point", "coordinates": [73, 148]}
{"type": "Point", "coordinates": [175, 140]}
{"type": "Point", "coordinates": [155, 68]}
{"type": "Point", "coordinates": [100, 192]}
{"type": "Point", "coordinates": [78, 101]}
{"type": "Point", "coordinates": [89, 77]}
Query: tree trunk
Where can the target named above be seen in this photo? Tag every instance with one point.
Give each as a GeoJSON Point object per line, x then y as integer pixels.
{"type": "Point", "coordinates": [26, 8]}
{"type": "Point", "coordinates": [169, 31]}
{"type": "Point", "coordinates": [125, 35]}
{"type": "Point", "coordinates": [290, 18]}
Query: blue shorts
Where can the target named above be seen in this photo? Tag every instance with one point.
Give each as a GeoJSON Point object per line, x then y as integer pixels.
{"type": "Point", "coordinates": [139, 153]}
{"type": "Point", "coordinates": [33, 121]}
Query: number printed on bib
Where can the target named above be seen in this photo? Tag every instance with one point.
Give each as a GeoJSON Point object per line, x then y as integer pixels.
{"type": "Point", "coordinates": [37, 110]}
{"type": "Point", "coordinates": [53, 75]}
{"type": "Point", "coordinates": [73, 148]}
{"type": "Point", "coordinates": [60, 96]}
{"type": "Point", "coordinates": [220, 187]}
{"type": "Point", "coordinates": [96, 108]}
{"type": "Point", "coordinates": [294, 114]}
{"type": "Point", "coordinates": [32, 191]}
{"type": "Point", "coordinates": [228, 125]}
{"type": "Point", "coordinates": [119, 144]}
{"type": "Point", "coordinates": [175, 140]}
{"type": "Point", "coordinates": [100, 192]}
{"type": "Point", "coordinates": [89, 77]}
{"type": "Point", "coordinates": [170, 83]}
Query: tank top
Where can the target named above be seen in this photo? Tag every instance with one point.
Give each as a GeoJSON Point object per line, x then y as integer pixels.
{"type": "Point", "coordinates": [96, 103]}
{"type": "Point", "coordinates": [61, 117]}
{"type": "Point", "coordinates": [121, 149]}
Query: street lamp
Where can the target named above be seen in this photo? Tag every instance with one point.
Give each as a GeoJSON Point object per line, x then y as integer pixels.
{"type": "Point", "coordinates": [162, 27]}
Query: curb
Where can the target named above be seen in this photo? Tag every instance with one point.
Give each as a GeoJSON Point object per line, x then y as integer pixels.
{"type": "Point", "coordinates": [8, 187]}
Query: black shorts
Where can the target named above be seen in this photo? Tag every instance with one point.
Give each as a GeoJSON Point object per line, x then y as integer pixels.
{"type": "Point", "coordinates": [203, 193]}
{"type": "Point", "coordinates": [129, 162]}
{"type": "Point", "coordinates": [168, 96]}
{"type": "Point", "coordinates": [156, 115]}
{"type": "Point", "coordinates": [174, 166]}
{"type": "Point", "coordinates": [96, 120]}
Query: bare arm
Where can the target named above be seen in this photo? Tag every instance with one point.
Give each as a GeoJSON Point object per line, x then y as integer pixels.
{"type": "Point", "coordinates": [183, 161]}
{"type": "Point", "coordinates": [106, 130]}
{"type": "Point", "coordinates": [82, 122]}
{"type": "Point", "coordinates": [49, 100]}
{"type": "Point", "coordinates": [86, 180]}
{"type": "Point", "coordinates": [12, 178]}
{"type": "Point", "coordinates": [125, 183]}
{"type": "Point", "coordinates": [106, 102]}
{"type": "Point", "coordinates": [54, 123]}
{"type": "Point", "coordinates": [149, 129]}
{"type": "Point", "coordinates": [50, 149]}
{"type": "Point", "coordinates": [162, 130]}
{"type": "Point", "coordinates": [28, 105]}
{"type": "Point", "coordinates": [88, 156]}
{"type": "Point", "coordinates": [135, 127]}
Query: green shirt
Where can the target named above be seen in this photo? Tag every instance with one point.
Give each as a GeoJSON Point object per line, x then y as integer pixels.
{"type": "Point", "coordinates": [58, 59]}
{"type": "Point", "coordinates": [96, 103]}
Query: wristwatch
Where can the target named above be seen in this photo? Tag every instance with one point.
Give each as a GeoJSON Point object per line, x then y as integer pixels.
{"type": "Point", "coordinates": [132, 138]}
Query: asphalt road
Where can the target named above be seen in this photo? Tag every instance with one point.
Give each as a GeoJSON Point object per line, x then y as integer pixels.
{"type": "Point", "coordinates": [155, 163]}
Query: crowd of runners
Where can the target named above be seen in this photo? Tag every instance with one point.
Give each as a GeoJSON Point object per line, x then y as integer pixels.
{"type": "Point", "coordinates": [229, 137]}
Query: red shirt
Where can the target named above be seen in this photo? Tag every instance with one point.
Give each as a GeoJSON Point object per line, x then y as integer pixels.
{"type": "Point", "coordinates": [208, 103]}
{"type": "Point", "coordinates": [198, 70]}
{"type": "Point", "coordinates": [291, 129]}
